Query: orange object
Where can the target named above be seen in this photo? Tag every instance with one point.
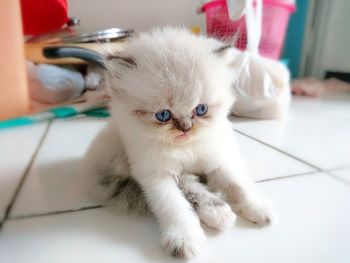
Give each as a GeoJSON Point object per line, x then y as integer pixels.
{"type": "Point", "coordinates": [14, 99]}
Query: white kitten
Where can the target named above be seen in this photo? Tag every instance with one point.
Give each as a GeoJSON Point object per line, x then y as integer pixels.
{"type": "Point", "coordinates": [171, 93]}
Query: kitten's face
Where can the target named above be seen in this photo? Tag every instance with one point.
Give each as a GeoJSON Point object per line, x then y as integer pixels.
{"type": "Point", "coordinates": [171, 86]}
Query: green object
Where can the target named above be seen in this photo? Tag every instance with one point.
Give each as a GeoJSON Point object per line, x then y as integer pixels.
{"type": "Point", "coordinates": [63, 112]}
{"type": "Point", "coordinates": [16, 122]}
{"type": "Point", "coordinates": [99, 113]}
{"type": "Point", "coordinates": [95, 109]}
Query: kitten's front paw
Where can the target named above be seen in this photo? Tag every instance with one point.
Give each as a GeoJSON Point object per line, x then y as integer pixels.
{"type": "Point", "coordinates": [258, 211]}
{"type": "Point", "coordinates": [181, 243]}
{"type": "Point", "coordinates": [218, 215]}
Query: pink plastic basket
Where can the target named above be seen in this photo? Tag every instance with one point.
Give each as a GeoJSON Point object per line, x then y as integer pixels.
{"type": "Point", "coordinates": [274, 25]}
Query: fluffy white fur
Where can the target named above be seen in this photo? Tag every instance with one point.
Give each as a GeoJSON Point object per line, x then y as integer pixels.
{"type": "Point", "coordinates": [173, 69]}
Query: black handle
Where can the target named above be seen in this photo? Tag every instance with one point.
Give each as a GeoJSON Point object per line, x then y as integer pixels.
{"type": "Point", "coordinates": [87, 55]}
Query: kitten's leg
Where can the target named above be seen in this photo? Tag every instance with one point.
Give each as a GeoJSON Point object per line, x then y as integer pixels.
{"type": "Point", "coordinates": [232, 180]}
{"type": "Point", "coordinates": [106, 171]}
{"type": "Point", "coordinates": [210, 207]}
{"type": "Point", "coordinates": [181, 233]}
{"type": "Point", "coordinates": [104, 160]}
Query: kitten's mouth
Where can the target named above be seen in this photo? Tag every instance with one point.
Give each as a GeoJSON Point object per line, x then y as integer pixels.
{"type": "Point", "coordinates": [182, 136]}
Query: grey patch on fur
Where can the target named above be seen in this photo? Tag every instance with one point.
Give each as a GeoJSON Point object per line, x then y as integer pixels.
{"type": "Point", "coordinates": [196, 192]}
{"type": "Point", "coordinates": [116, 75]}
{"type": "Point", "coordinates": [177, 252]}
{"type": "Point", "coordinates": [216, 202]}
{"type": "Point", "coordinates": [203, 179]}
{"type": "Point", "coordinates": [126, 194]}
{"type": "Point", "coordinates": [195, 205]}
{"type": "Point", "coordinates": [106, 181]}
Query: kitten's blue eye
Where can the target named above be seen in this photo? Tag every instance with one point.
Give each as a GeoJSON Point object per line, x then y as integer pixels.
{"type": "Point", "coordinates": [163, 115]}
{"type": "Point", "coordinates": [201, 109]}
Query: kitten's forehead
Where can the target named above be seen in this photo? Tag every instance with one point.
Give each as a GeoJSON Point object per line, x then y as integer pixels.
{"type": "Point", "coordinates": [172, 70]}
{"type": "Point", "coordinates": [175, 85]}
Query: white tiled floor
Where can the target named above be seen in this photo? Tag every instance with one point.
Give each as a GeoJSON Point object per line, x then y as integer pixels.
{"type": "Point", "coordinates": [45, 224]}
{"type": "Point", "coordinates": [309, 134]}
{"type": "Point", "coordinates": [52, 183]}
{"type": "Point", "coordinates": [16, 151]}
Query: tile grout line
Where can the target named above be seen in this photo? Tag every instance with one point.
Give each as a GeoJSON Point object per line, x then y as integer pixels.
{"type": "Point", "coordinates": [285, 177]}
{"type": "Point", "coordinates": [339, 168]}
{"type": "Point", "coordinates": [101, 206]}
{"type": "Point", "coordinates": [56, 212]}
{"type": "Point", "coordinates": [24, 176]}
{"type": "Point", "coordinates": [338, 178]}
{"type": "Point", "coordinates": [318, 169]}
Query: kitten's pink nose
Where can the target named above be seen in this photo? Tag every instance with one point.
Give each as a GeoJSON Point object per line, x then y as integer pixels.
{"type": "Point", "coordinates": [185, 130]}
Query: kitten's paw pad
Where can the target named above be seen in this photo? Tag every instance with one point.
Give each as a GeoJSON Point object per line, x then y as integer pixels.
{"type": "Point", "coordinates": [258, 211]}
{"type": "Point", "coordinates": [218, 216]}
{"type": "Point", "coordinates": [182, 245]}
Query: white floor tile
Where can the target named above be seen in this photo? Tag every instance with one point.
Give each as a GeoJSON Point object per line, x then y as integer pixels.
{"type": "Point", "coordinates": [53, 183]}
{"type": "Point", "coordinates": [17, 146]}
{"type": "Point", "coordinates": [336, 105]}
{"type": "Point", "coordinates": [264, 162]}
{"type": "Point", "coordinates": [310, 134]}
{"type": "Point", "coordinates": [313, 227]}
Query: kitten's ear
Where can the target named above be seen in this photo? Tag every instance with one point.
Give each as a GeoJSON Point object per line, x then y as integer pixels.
{"type": "Point", "coordinates": [126, 61]}
{"type": "Point", "coordinates": [226, 52]}
{"type": "Point", "coordinates": [117, 65]}
{"type": "Point", "coordinates": [222, 51]}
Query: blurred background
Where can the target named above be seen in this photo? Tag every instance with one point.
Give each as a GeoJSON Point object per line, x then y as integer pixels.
{"type": "Point", "coordinates": [317, 39]}
{"type": "Point", "coordinates": [311, 37]}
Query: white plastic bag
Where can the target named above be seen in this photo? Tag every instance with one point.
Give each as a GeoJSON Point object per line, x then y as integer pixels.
{"type": "Point", "coordinates": [52, 84]}
{"type": "Point", "coordinates": [263, 86]}
{"type": "Point", "coordinates": [236, 8]}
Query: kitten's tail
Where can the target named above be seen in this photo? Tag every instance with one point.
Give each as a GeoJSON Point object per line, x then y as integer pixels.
{"type": "Point", "coordinates": [125, 193]}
